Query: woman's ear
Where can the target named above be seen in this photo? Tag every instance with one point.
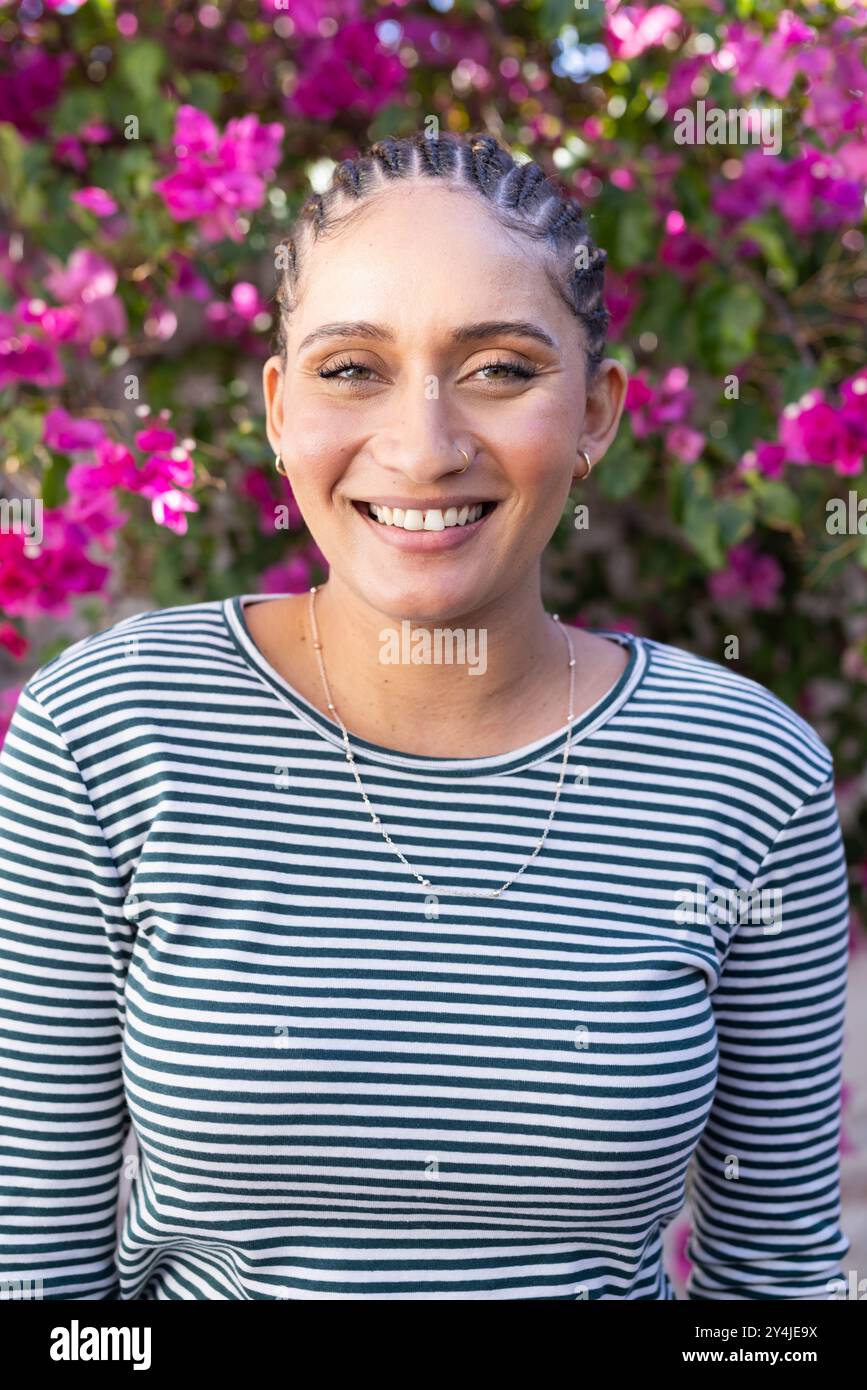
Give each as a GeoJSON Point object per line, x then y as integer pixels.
{"type": "Point", "coordinates": [606, 398]}
{"type": "Point", "coordinates": [272, 387]}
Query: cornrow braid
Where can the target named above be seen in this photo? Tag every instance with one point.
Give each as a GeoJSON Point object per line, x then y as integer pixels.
{"type": "Point", "coordinates": [520, 193]}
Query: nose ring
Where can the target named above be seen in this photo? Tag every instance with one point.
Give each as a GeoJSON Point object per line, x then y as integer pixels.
{"type": "Point", "coordinates": [466, 456]}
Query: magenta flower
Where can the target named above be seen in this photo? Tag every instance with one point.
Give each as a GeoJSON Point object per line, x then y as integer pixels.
{"type": "Point", "coordinates": [155, 437]}
{"type": "Point", "coordinates": [68, 149]}
{"type": "Point", "coordinates": [66, 435]}
{"type": "Point", "coordinates": [767, 459]}
{"type": "Point", "coordinates": [25, 358]}
{"type": "Point", "coordinates": [350, 72]}
{"type": "Point", "coordinates": [667, 404]}
{"type": "Point", "coordinates": [812, 431]}
{"type": "Point", "coordinates": [31, 87]}
{"type": "Point", "coordinates": [256, 485]}
{"type": "Point", "coordinates": [750, 577]}
{"type": "Point", "coordinates": [13, 641]}
{"type": "Point", "coordinates": [247, 301]}
{"type": "Point", "coordinates": [115, 467]}
{"type": "Point", "coordinates": [631, 30]}
{"type": "Point", "coordinates": [217, 177]}
{"type": "Point", "coordinates": [35, 584]}
{"type": "Point", "coordinates": [8, 701]}
{"type": "Point", "coordinates": [186, 278]}
{"type": "Point", "coordinates": [853, 411]}
{"type": "Point", "coordinates": [87, 284]}
{"type": "Point", "coordinates": [770, 64]}
{"type": "Point", "coordinates": [165, 473]}
{"type": "Point", "coordinates": [170, 508]}
{"type": "Point", "coordinates": [95, 200]}
{"type": "Point", "coordinates": [812, 191]}
{"type": "Point", "coordinates": [308, 15]}
{"type": "Point", "coordinates": [685, 443]}
{"type": "Point", "coordinates": [290, 576]}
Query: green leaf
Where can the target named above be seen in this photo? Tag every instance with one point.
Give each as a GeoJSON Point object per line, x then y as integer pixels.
{"type": "Point", "coordinates": [140, 66]}
{"type": "Point", "coordinates": [774, 249]}
{"type": "Point", "coordinates": [620, 476]}
{"type": "Point", "coordinates": [777, 505]}
{"type": "Point", "coordinates": [734, 517]}
{"type": "Point", "coordinates": [728, 318]}
{"type": "Point", "coordinates": [700, 524]}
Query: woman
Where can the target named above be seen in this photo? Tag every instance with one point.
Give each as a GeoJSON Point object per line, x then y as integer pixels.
{"type": "Point", "coordinates": [421, 975]}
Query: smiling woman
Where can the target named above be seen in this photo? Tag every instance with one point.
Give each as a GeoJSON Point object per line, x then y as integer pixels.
{"type": "Point", "coordinates": [407, 982]}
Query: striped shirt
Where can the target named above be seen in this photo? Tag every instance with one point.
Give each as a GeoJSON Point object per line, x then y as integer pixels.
{"type": "Point", "coordinates": [343, 1087]}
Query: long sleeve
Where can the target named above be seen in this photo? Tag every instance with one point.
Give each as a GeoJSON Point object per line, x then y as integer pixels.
{"type": "Point", "coordinates": [63, 946]}
{"type": "Point", "coordinates": [766, 1187]}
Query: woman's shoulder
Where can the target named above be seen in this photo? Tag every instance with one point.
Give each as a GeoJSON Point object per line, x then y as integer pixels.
{"type": "Point", "coordinates": [132, 650]}
{"type": "Point", "coordinates": [717, 703]}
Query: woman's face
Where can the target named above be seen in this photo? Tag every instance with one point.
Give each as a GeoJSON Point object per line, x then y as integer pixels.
{"type": "Point", "coordinates": [399, 350]}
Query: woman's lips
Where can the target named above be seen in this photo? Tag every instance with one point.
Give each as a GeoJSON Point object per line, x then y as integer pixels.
{"type": "Point", "coordinates": [423, 540]}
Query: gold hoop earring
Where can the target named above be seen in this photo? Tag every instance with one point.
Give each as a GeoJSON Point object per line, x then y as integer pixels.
{"type": "Point", "coordinates": [589, 466]}
{"type": "Point", "coordinates": [280, 465]}
{"type": "Point", "coordinates": [466, 456]}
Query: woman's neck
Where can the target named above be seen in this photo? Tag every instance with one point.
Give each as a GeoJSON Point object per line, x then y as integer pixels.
{"type": "Point", "coordinates": [506, 684]}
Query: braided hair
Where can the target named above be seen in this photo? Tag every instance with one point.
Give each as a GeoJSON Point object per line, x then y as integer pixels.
{"type": "Point", "coordinates": [520, 194]}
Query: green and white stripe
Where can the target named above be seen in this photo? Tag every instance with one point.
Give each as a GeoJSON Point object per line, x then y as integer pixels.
{"type": "Point", "coordinates": [340, 1091]}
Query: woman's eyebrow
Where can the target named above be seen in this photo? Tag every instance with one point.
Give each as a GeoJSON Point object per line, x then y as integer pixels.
{"type": "Point", "coordinates": [470, 332]}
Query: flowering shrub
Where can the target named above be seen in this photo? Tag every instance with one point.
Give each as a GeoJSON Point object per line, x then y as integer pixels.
{"type": "Point", "coordinates": [152, 154]}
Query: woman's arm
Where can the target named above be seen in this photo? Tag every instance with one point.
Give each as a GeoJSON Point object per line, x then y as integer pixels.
{"type": "Point", "coordinates": [766, 1187]}
{"type": "Point", "coordinates": [63, 952]}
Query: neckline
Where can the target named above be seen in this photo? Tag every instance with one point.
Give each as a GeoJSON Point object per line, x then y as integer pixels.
{"type": "Point", "coordinates": [514, 760]}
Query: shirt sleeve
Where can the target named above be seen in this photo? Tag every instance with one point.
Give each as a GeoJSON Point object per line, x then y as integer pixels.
{"type": "Point", "coordinates": [766, 1184]}
{"type": "Point", "coordinates": [63, 940]}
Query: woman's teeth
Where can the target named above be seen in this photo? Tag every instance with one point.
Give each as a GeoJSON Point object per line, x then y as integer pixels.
{"type": "Point", "coordinates": [430, 520]}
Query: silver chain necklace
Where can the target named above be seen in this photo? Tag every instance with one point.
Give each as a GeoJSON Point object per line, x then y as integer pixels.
{"type": "Point", "coordinates": [350, 758]}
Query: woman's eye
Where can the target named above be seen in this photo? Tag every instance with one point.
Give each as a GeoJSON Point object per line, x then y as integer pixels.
{"type": "Point", "coordinates": [508, 370]}
{"type": "Point", "coordinates": [336, 371]}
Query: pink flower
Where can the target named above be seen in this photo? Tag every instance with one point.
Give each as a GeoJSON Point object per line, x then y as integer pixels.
{"type": "Point", "coordinates": [750, 577]}
{"type": "Point", "coordinates": [685, 443]}
{"type": "Point", "coordinates": [170, 508]}
{"type": "Point", "coordinates": [812, 431]}
{"type": "Point", "coordinates": [31, 87]}
{"type": "Point", "coordinates": [291, 576]}
{"type": "Point", "coordinates": [95, 200]}
{"type": "Point", "coordinates": [87, 284]}
{"type": "Point", "coordinates": [811, 191]}
{"type": "Point", "coordinates": [349, 72]}
{"type": "Point", "coordinates": [767, 459]}
{"type": "Point", "coordinates": [257, 485]}
{"type": "Point", "coordinates": [26, 358]}
{"type": "Point", "coordinates": [186, 278]}
{"type": "Point", "coordinates": [165, 473]}
{"type": "Point", "coordinates": [772, 64]}
{"type": "Point", "coordinates": [632, 30]}
{"type": "Point", "coordinates": [667, 404]}
{"type": "Point", "coordinates": [68, 149]}
{"type": "Point", "coordinates": [115, 467]}
{"type": "Point", "coordinates": [66, 435]}
{"type": "Point", "coordinates": [853, 411]}
{"type": "Point", "coordinates": [12, 640]}
{"type": "Point", "coordinates": [217, 177]}
{"type": "Point", "coordinates": [247, 302]}
{"type": "Point", "coordinates": [308, 15]}
{"type": "Point", "coordinates": [8, 701]}
{"type": "Point", "coordinates": [34, 584]}
{"type": "Point", "coordinates": [155, 437]}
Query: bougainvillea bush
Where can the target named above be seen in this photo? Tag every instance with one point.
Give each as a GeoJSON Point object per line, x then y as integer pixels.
{"type": "Point", "coordinates": [151, 156]}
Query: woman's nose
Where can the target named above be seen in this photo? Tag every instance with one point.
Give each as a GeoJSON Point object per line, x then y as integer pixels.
{"type": "Point", "coordinates": [423, 445]}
